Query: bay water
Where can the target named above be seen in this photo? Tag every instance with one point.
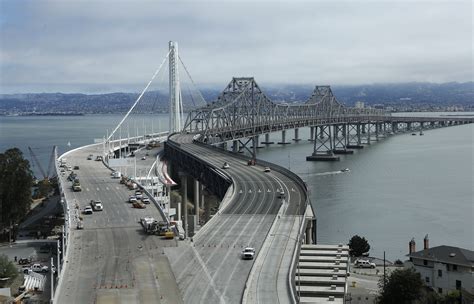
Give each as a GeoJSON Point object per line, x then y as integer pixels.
{"type": "Point", "coordinates": [401, 187]}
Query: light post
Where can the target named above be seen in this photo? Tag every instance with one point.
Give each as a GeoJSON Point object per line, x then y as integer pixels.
{"type": "Point", "coordinates": [52, 280]}
{"type": "Point", "coordinates": [58, 258]}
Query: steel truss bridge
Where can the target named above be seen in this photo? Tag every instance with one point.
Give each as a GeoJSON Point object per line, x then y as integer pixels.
{"type": "Point", "coordinates": [242, 111]}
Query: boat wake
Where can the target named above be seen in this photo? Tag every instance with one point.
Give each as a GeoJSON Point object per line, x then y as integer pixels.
{"type": "Point", "coordinates": [325, 173]}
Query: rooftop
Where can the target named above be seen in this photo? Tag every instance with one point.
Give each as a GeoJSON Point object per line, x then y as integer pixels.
{"type": "Point", "coordinates": [446, 254]}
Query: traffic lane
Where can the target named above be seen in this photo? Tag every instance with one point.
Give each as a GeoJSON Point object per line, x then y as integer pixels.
{"type": "Point", "coordinates": [105, 259]}
{"type": "Point", "coordinates": [226, 273]}
{"type": "Point", "coordinates": [99, 185]}
{"type": "Point", "coordinates": [100, 238]}
{"type": "Point", "coordinates": [266, 283]}
{"type": "Point", "coordinates": [241, 173]}
{"type": "Point", "coordinates": [196, 273]}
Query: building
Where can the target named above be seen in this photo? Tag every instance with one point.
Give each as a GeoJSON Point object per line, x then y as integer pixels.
{"type": "Point", "coordinates": [321, 274]}
{"type": "Point", "coordinates": [443, 268]}
{"type": "Point", "coordinates": [359, 105]}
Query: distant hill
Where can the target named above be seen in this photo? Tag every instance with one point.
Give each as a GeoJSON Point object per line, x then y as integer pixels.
{"type": "Point", "coordinates": [395, 95]}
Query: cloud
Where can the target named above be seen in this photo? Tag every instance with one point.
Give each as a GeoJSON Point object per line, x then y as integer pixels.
{"type": "Point", "coordinates": [118, 44]}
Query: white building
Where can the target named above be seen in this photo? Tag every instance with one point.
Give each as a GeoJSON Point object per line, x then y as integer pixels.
{"type": "Point", "coordinates": [443, 268]}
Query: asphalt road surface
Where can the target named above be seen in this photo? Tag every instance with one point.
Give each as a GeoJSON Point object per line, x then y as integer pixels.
{"type": "Point", "coordinates": [111, 260]}
{"type": "Point", "coordinates": [210, 269]}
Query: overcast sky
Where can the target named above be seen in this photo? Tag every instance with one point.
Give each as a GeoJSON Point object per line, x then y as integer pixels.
{"type": "Point", "coordinates": [103, 46]}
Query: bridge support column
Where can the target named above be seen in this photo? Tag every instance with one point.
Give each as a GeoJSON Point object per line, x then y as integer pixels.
{"type": "Point", "coordinates": [235, 146]}
{"type": "Point", "coordinates": [368, 133]}
{"type": "Point", "coordinates": [197, 187]}
{"type": "Point", "coordinates": [309, 233]}
{"type": "Point", "coordinates": [340, 142]}
{"type": "Point", "coordinates": [256, 142]}
{"type": "Point", "coordinates": [353, 137]}
{"type": "Point", "coordinates": [311, 133]}
{"type": "Point", "coordinates": [283, 138]}
{"type": "Point", "coordinates": [408, 126]}
{"type": "Point", "coordinates": [297, 138]}
{"type": "Point", "coordinates": [394, 127]}
{"type": "Point", "coordinates": [323, 146]}
{"type": "Point", "coordinates": [184, 191]}
{"type": "Point", "coordinates": [267, 140]}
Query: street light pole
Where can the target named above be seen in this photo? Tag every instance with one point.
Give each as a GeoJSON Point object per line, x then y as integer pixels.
{"type": "Point", "coordinates": [52, 280]}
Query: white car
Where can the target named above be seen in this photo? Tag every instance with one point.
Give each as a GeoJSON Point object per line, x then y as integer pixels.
{"type": "Point", "coordinates": [364, 264]}
{"type": "Point", "coordinates": [146, 200]}
{"type": "Point", "coordinates": [281, 194]}
{"type": "Point", "coordinates": [226, 165]}
{"type": "Point", "coordinates": [97, 205]}
{"type": "Point", "coordinates": [39, 268]}
{"type": "Point", "coordinates": [248, 253]}
{"type": "Point", "coordinates": [144, 158]}
{"type": "Point", "coordinates": [267, 169]}
{"type": "Point", "coordinates": [132, 199]}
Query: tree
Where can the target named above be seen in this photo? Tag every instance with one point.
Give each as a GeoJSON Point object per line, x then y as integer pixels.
{"type": "Point", "coordinates": [358, 245]}
{"type": "Point", "coordinates": [7, 268]}
{"type": "Point", "coordinates": [402, 286]}
{"type": "Point", "coordinates": [16, 180]}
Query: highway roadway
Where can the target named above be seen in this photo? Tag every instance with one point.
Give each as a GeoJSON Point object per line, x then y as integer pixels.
{"type": "Point", "coordinates": [210, 269]}
{"type": "Point", "coordinates": [111, 260]}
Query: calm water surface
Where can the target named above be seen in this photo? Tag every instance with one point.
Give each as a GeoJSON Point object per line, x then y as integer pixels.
{"type": "Point", "coordinates": [402, 187]}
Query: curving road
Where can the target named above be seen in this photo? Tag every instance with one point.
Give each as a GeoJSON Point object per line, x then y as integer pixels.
{"type": "Point", "coordinates": [209, 269]}
{"type": "Point", "coordinates": [111, 260]}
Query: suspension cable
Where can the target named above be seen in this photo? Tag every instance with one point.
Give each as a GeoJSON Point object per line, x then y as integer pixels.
{"type": "Point", "coordinates": [139, 97]}
{"type": "Point", "coordinates": [192, 81]}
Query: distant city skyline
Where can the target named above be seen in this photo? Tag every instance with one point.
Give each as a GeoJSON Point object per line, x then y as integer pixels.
{"type": "Point", "coordinates": [97, 47]}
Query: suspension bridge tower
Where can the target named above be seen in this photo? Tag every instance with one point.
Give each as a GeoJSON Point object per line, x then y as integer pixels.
{"type": "Point", "coordinates": [175, 90]}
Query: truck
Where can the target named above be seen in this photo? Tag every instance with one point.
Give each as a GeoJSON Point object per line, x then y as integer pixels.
{"type": "Point", "coordinates": [39, 268]}
{"type": "Point", "coordinates": [152, 226]}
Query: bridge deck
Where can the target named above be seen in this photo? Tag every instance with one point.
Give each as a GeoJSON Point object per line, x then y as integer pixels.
{"type": "Point", "coordinates": [111, 260]}
{"type": "Point", "coordinates": [210, 269]}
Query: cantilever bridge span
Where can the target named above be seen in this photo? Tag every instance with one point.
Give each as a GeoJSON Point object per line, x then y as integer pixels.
{"type": "Point", "coordinates": [243, 111]}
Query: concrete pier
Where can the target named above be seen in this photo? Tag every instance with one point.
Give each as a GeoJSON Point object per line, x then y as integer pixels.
{"type": "Point", "coordinates": [283, 138]}
{"type": "Point", "coordinates": [297, 138]}
{"type": "Point", "coordinates": [267, 140]}
{"type": "Point", "coordinates": [322, 157]}
{"type": "Point", "coordinates": [342, 151]}
{"type": "Point", "coordinates": [311, 133]}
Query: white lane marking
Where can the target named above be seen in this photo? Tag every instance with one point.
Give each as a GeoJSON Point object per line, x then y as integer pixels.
{"type": "Point", "coordinates": [209, 277]}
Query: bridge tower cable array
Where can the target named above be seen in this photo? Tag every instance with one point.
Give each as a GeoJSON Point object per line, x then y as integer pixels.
{"type": "Point", "coordinates": [138, 99]}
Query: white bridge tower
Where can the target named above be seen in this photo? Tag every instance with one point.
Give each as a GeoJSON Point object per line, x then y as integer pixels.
{"type": "Point", "coordinates": [176, 105]}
